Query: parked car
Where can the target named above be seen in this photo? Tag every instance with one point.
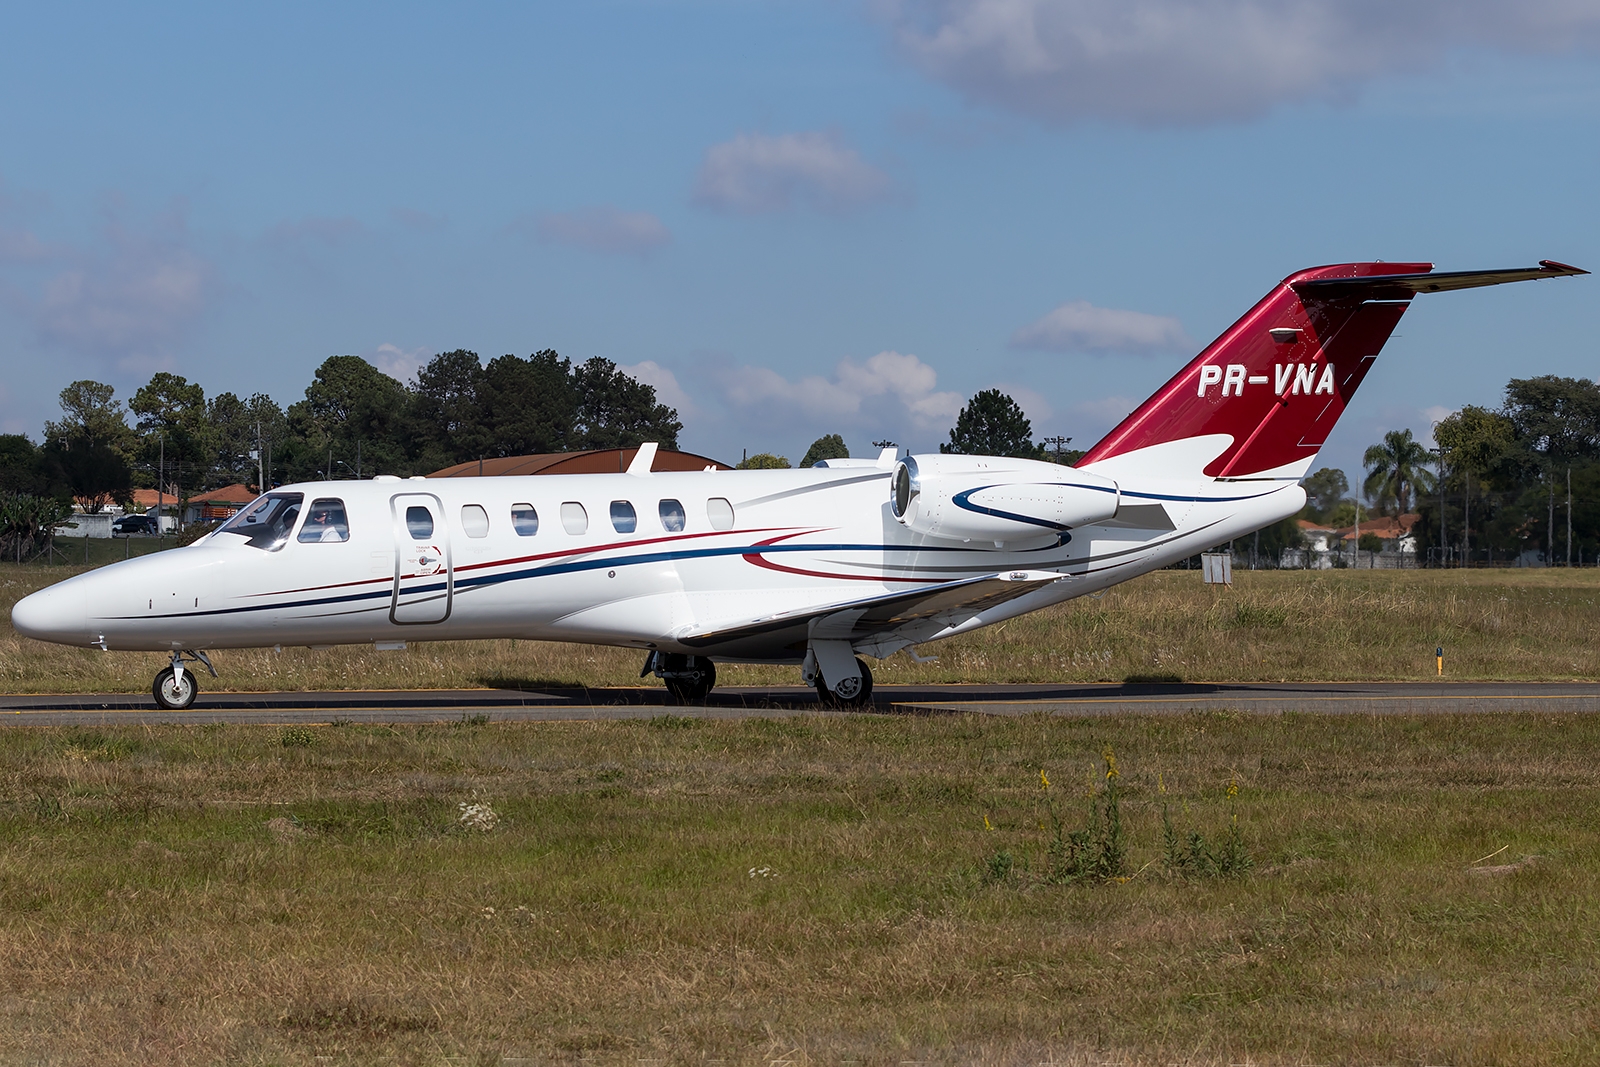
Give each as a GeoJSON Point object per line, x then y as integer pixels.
{"type": "Point", "coordinates": [128, 525]}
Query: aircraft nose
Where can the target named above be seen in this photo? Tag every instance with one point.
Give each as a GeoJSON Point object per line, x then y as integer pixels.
{"type": "Point", "coordinates": [59, 613]}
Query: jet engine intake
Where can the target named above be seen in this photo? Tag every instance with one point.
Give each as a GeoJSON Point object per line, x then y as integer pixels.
{"type": "Point", "coordinates": [991, 498]}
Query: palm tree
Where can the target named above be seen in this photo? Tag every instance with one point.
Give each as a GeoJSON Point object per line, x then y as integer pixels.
{"type": "Point", "coordinates": [1395, 470]}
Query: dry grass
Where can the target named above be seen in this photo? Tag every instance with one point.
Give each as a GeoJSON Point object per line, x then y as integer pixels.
{"type": "Point", "coordinates": [233, 894]}
{"type": "Point", "coordinates": [1273, 625]}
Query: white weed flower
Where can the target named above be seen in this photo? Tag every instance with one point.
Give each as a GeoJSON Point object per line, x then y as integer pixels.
{"type": "Point", "coordinates": [477, 816]}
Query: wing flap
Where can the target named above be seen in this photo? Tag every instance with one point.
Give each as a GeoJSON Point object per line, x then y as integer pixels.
{"type": "Point", "coordinates": [857, 620]}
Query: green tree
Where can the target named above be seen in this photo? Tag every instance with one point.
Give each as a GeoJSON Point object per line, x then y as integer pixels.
{"type": "Point", "coordinates": [528, 406]}
{"type": "Point", "coordinates": [616, 410]}
{"type": "Point", "coordinates": [350, 405]}
{"type": "Point", "coordinates": [23, 467]}
{"type": "Point", "coordinates": [448, 409]}
{"type": "Point", "coordinates": [828, 446]}
{"type": "Point", "coordinates": [1482, 442]}
{"type": "Point", "coordinates": [1324, 490]}
{"type": "Point", "coordinates": [1396, 471]}
{"type": "Point", "coordinates": [1555, 419]}
{"type": "Point", "coordinates": [992, 424]}
{"type": "Point", "coordinates": [91, 412]}
{"type": "Point", "coordinates": [96, 473]}
{"type": "Point", "coordinates": [762, 461]}
{"type": "Point", "coordinates": [173, 432]}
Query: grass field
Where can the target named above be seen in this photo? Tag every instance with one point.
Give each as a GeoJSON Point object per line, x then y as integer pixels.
{"type": "Point", "coordinates": [1271, 626]}
{"type": "Point", "coordinates": [804, 890]}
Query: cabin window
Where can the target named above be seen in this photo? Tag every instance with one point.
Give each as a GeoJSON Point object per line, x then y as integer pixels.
{"type": "Point", "coordinates": [325, 522]}
{"type": "Point", "coordinates": [623, 517]}
{"type": "Point", "coordinates": [474, 520]}
{"type": "Point", "coordinates": [267, 523]}
{"type": "Point", "coordinates": [672, 516]}
{"type": "Point", "coordinates": [574, 519]}
{"type": "Point", "coordinates": [419, 520]}
{"type": "Point", "coordinates": [524, 520]}
{"type": "Point", "coordinates": [720, 513]}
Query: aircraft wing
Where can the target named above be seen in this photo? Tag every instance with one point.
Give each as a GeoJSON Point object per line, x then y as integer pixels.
{"type": "Point", "coordinates": [911, 616]}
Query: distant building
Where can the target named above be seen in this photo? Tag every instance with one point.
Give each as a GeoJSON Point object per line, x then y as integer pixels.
{"type": "Point", "coordinates": [1395, 531]}
{"type": "Point", "coordinates": [218, 505]}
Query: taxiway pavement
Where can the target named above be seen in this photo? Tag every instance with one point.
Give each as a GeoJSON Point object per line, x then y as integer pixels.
{"type": "Point", "coordinates": [556, 704]}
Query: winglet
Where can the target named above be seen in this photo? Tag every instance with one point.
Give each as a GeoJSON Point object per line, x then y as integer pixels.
{"type": "Point", "coordinates": [643, 460]}
{"type": "Point", "coordinates": [886, 458]}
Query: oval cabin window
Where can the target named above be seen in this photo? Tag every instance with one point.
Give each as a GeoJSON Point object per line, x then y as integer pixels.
{"type": "Point", "coordinates": [720, 513]}
{"type": "Point", "coordinates": [672, 516]}
{"type": "Point", "coordinates": [419, 521]}
{"type": "Point", "coordinates": [524, 520]}
{"type": "Point", "coordinates": [574, 519]}
{"type": "Point", "coordinates": [474, 520]}
{"type": "Point", "coordinates": [623, 518]}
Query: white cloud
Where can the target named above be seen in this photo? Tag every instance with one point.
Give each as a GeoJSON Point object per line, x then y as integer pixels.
{"type": "Point", "coordinates": [1163, 62]}
{"type": "Point", "coordinates": [755, 173]}
{"type": "Point", "coordinates": [130, 295]}
{"type": "Point", "coordinates": [665, 383]}
{"type": "Point", "coordinates": [401, 364]}
{"type": "Point", "coordinates": [1079, 326]}
{"type": "Point", "coordinates": [1431, 416]}
{"type": "Point", "coordinates": [898, 377]}
{"type": "Point", "coordinates": [604, 229]}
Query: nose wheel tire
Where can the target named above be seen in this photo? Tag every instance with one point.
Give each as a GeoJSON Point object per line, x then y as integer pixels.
{"type": "Point", "coordinates": [850, 693]}
{"type": "Point", "coordinates": [174, 693]}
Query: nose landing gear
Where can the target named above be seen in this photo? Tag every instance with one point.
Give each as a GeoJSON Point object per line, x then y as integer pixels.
{"type": "Point", "coordinates": [176, 688]}
{"type": "Point", "coordinates": [689, 678]}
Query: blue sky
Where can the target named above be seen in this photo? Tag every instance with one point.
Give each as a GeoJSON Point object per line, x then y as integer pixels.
{"type": "Point", "coordinates": [793, 218]}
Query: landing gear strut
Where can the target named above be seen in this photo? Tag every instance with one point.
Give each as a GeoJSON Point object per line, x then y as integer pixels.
{"type": "Point", "coordinates": [176, 688]}
{"type": "Point", "coordinates": [689, 678]}
{"type": "Point", "coordinates": [850, 692]}
{"type": "Point", "coordinates": [841, 677]}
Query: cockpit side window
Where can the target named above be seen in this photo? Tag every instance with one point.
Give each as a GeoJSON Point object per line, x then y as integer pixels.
{"type": "Point", "coordinates": [325, 522]}
{"type": "Point", "coordinates": [267, 523]}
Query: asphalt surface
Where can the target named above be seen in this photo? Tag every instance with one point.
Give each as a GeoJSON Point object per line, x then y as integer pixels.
{"type": "Point", "coordinates": [431, 706]}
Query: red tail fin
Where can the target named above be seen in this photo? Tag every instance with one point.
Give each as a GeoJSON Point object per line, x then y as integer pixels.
{"type": "Point", "coordinates": [1277, 380]}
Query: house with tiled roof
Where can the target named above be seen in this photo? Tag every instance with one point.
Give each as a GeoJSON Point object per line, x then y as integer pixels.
{"type": "Point", "coordinates": [218, 505]}
{"type": "Point", "coordinates": [1395, 531]}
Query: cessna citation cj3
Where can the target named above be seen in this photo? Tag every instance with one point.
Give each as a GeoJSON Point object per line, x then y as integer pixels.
{"type": "Point", "coordinates": [813, 566]}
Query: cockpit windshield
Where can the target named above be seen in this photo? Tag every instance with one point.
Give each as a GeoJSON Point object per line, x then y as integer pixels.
{"type": "Point", "coordinates": [267, 523]}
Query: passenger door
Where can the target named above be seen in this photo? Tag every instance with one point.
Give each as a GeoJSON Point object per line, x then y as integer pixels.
{"type": "Point", "coordinates": [424, 584]}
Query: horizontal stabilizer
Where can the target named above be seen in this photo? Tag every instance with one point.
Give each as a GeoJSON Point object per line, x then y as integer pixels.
{"type": "Point", "coordinates": [1405, 286]}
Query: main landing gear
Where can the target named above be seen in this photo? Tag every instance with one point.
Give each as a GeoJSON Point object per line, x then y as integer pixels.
{"type": "Point", "coordinates": [842, 678]}
{"type": "Point", "coordinates": [176, 688]}
{"type": "Point", "coordinates": [689, 678]}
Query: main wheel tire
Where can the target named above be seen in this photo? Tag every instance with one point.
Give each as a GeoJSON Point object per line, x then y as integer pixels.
{"type": "Point", "coordinates": [852, 692]}
{"type": "Point", "coordinates": [695, 684]}
{"type": "Point", "coordinates": [170, 694]}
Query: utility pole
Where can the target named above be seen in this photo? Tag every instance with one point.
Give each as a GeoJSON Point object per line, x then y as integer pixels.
{"type": "Point", "coordinates": [1569, 516]}
{"type": "Point", "coordinates": [161, 486]}
{"type": "Point", "coordinates": [261, 462]}
{"type": "Point", "coordinates": [1550, 552]}
{"type": "Point", "coordinates": [1060, 444]}
{"type": "Point", "coordinates": [358, 459]}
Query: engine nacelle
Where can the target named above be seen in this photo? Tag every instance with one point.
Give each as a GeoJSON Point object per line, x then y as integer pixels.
{"type": "Point", "coordinates": [991, 498]}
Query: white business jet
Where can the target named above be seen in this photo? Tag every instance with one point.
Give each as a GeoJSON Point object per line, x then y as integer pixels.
{"type": "Point", "coordinates": [817, 567]}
